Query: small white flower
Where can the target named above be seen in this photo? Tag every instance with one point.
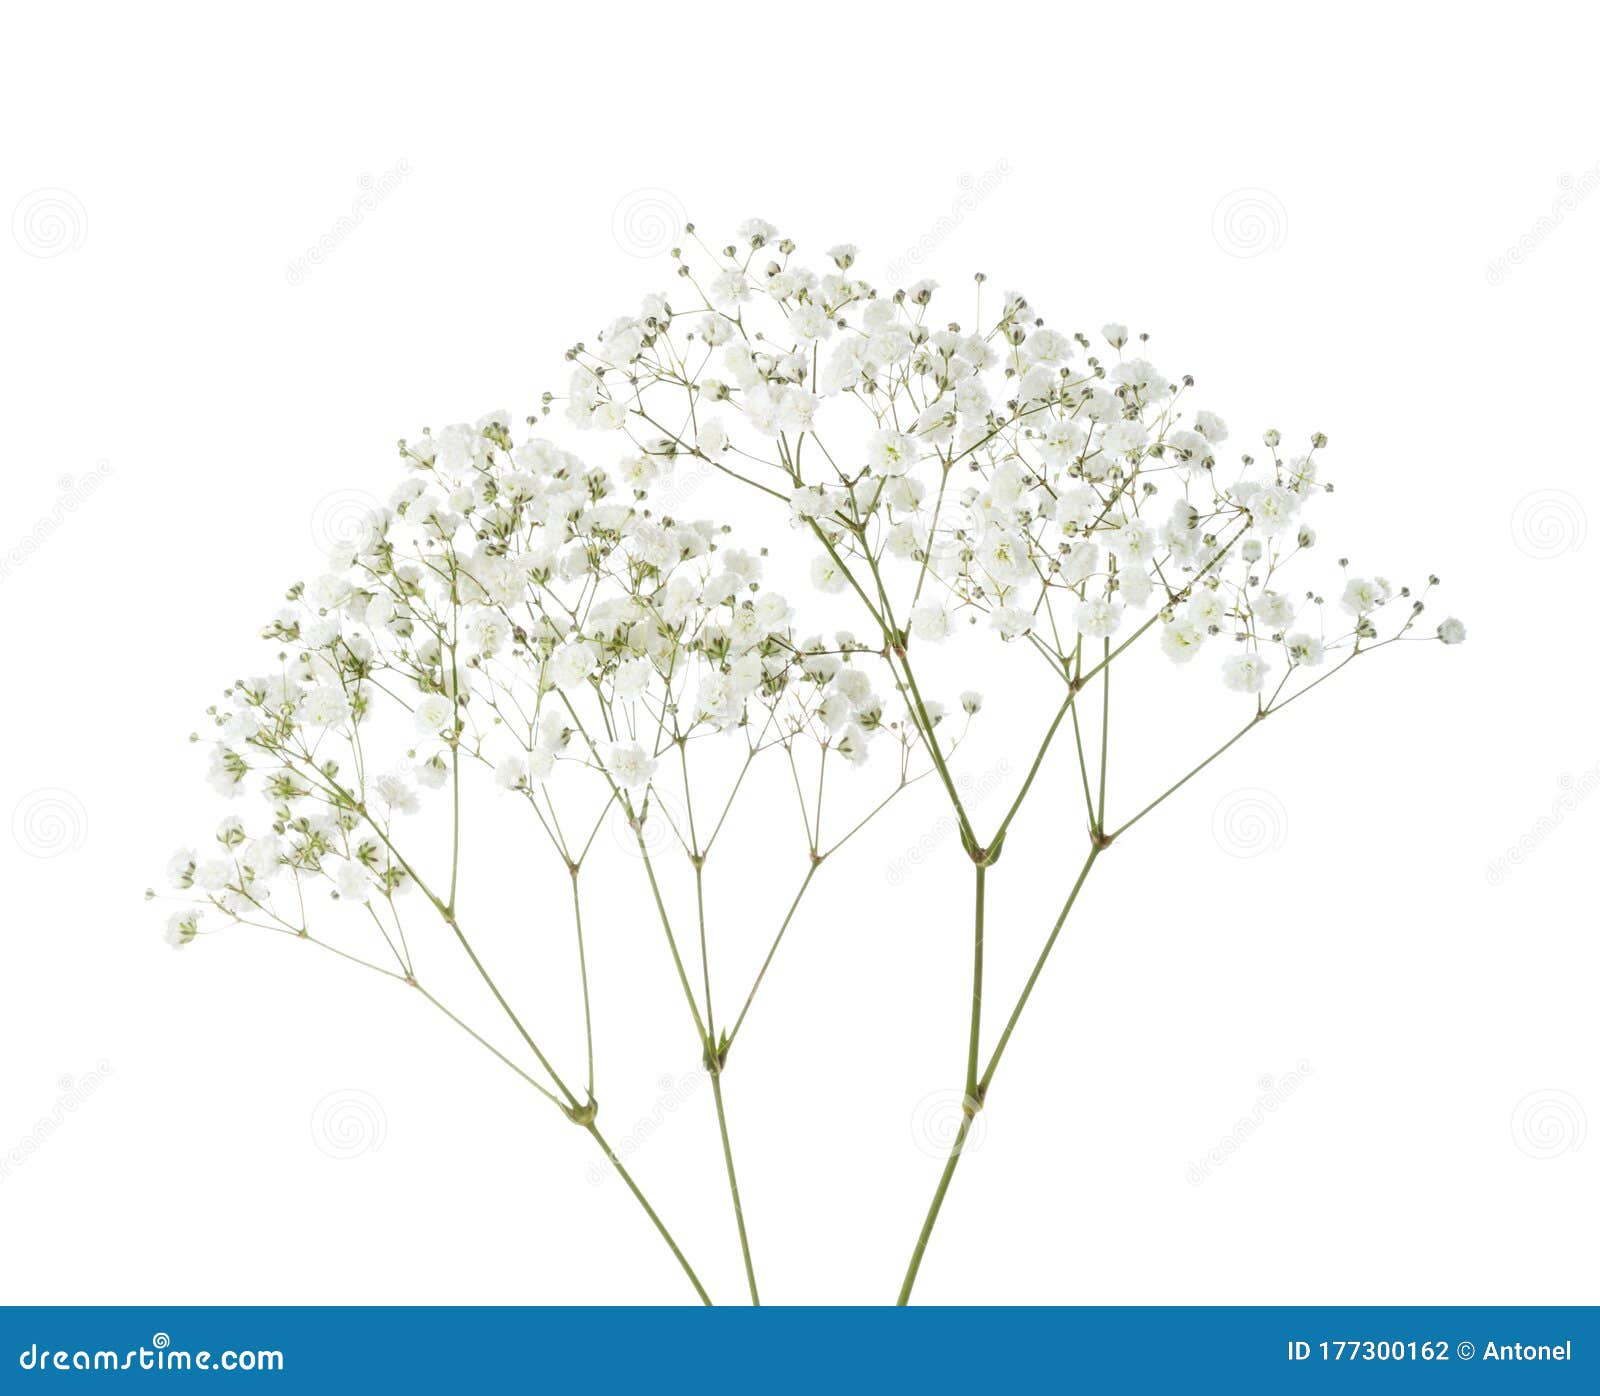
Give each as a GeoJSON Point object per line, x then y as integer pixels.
{"type": "Point", "coordinates": [827, 575]}
{"type": "Point", "coordinates": [1275, 609]}
{"type": "Point", "coordinates": [1181, 640]}
{"type": "Point", "coordinates": [351, 880]}
{"type": "Point", "coordinates": [325, 706]}
{"type": "Point", "coordinates": [891, 453]}
{"type": "Point", "coordinates": [1098, 618]}
{"type": "Point", "coordinates": [1011, 621]}
{"type": "Point", "coordinates": [1452, 631]}
{"type": "Point", "coordinates": [213, 874]}
{"type": "Point", "coordinates": [180, 868]}
{"type": "Point", "coordinates": [1361, 594]}
{"type": "Point", "coordinates": [182, 927]}
{"type": "Point", "coordinates": [435, 712]}
{"type": "Point", "coordinates": [1244, 673]}
{"type": "Point", "coordinates": [571, 665]}
{"type": "Point", "coordinates": [1304, 649]}
{"type": "Point", "coordinates": [396, 792]}
{"type": "Point", "coordinates": [931, 621]}
{"type": "Point", "coordinates": [511, 773]}
{"type": "Point", "coordinates": [630, 764]}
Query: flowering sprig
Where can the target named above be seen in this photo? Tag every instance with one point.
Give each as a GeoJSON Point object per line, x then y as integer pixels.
{"type": "Point", "coordinates": [516, 618]}
{"type": "Point", "coordinates": [1067, 496]}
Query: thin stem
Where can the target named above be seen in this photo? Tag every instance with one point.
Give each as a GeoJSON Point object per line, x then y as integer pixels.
{"type": "Point", "coordinates": [733, 1183]}
{"type": "Point", "coordinates": [1105, 738]}
{"type": "Point", "coordinates": [650, 1212]}
{"type": "Point", "coordinates": [977, 987]}
{"type": "Point", "coordinates": [777, 940]}
{"type": "Point", "coordinates": [583, 974]}
{"type": "Point", "coordinates": [976, 1093]}
{"type": "Point", "coordinates": [933, 1211]}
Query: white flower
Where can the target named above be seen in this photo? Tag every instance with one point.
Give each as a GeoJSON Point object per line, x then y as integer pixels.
{"type": "Point", "coordinates": [261, 857]}
{"type": "Point", "coordinates": [633, 677]}
{"type": "Point", "coordinates": [1452, 631]}
{"type": "Point", "coordinates": [351, 880]}
{"type": "Point", "coordinates": [1304, 649]}
{"type": "Point", "coordinates": [971, 702]}
{"type": "Point", "coordinates": [1098, 618]}
{"type": "Point", "coordinates": [891, 453]}
{"type": "Point", "coordinates": [1181, 640]}
{"type": "Point", "coordinates": [182, 927]}
{"type": "Point", "coordinates": [396, 792]}
{"type": "Point", "coordinates": [213, 874]}
{"type": "Point", "coordinates": [713, 438]}
{"type": "Point", "coordinates": [485, 632]}
{"type": "Point", "coordinates": [435, 712]}
{"type": "Point", "coordinates": [541, 764]}
{"type": "Point", "coordinates": [852, 744]}
{"type": "Point", "coordinates": [1361, 594]}
{"type": "Point", "coordinates": [1272, 509]}
{"type": "Point", "coordinates": [180, 868]}
{"type": "Point", "coordinates": [1244, 673]}
{"type": "Point", "coordinates": [1211, 426]}
{"type": "Point", "coordinates": [325, 706]}
{"type": "Point", "coordinates": [827, 575]}
{"type": "Point", "coordinates": [810, 322]}
{"type": "Point", "coordinates": [1275, 609]}
{"type": "Point", "coordinates": [1011, 621]}
{"type": "Point", "coordinates": [630, 764]}
{"type": "Point", "coordinates": [1116, 335]}
{"type": "Point", "coordinates": [571, 665]}
{"type": "Point", "coordinates": [931, 621]}
{"type": "Point", "coordinates": [511, 773]}
{"type": "Point", "coordinates": [1207, 609]}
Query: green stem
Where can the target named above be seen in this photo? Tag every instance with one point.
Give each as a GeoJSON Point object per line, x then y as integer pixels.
{"type": "Point", "coordinates": [933, 1211]}
{"type": "Point", "coordinates": [977, 987]}
{"type": "Point", "coordinates": [733, 1184]}
{"type": "Point", "coordinates": [976, 1091]}
{"type": "Point", "coordinates": [650, 1212]}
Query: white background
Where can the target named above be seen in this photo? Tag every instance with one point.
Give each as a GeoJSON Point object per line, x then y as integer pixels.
{"type": "Point", "coordinates": [155, 332]}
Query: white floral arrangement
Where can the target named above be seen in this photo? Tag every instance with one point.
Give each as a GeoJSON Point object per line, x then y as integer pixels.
{"type": "Point", "coordinates": [521, 623]}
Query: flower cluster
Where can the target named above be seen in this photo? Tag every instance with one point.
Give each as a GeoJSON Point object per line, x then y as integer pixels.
{"type": "Point", "coordinates": [1057, 486]}
{"type": "Point", "coordinates": [530, 614]}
